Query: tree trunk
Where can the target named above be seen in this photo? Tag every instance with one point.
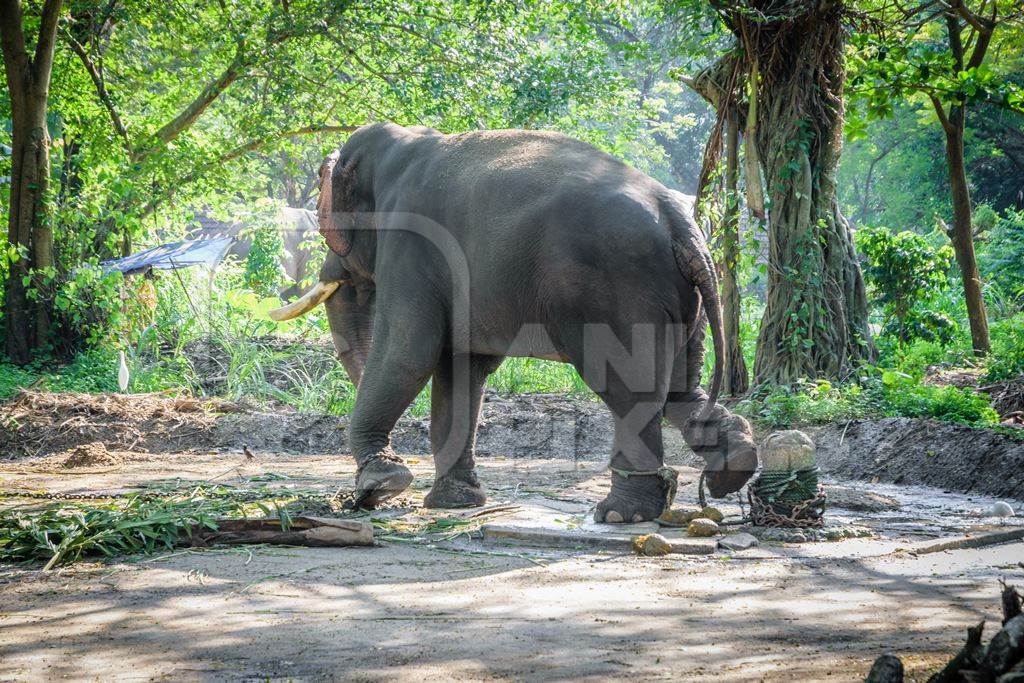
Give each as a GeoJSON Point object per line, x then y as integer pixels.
{"type": "Point", "coordinates": [27, 320]}
{"type": "Point", "coordinates": [815, 320]}
{"type": "Point", "coordinates": [28, 230]}
{"type": "Point", "coordinates": [962, 233]}
{"type": "Point", "coordinates": [736, 380]}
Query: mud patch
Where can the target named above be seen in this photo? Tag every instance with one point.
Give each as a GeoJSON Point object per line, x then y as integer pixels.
{"type": "Point", "coordinates": [910, 451]}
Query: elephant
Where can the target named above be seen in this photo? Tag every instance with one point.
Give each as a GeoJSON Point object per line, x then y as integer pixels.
{"type": "Point", "coordinates": [450, 252]}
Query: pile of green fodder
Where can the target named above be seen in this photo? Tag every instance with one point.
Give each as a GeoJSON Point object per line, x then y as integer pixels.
{"type": "Point", "coordinates": [69, 529]}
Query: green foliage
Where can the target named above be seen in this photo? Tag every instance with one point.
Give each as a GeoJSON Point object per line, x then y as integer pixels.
{"type": "Point", "coordinates": [1001, 257]}
{"type": "Point", "coordinates": [903, 396]}
{"type": "Point", "coordinates": [905, 270]}
{"type": "Point", "coordinates": [263, 272]}
{"type": "Point", "coordinates": [1007, 359]}
{"type": "Point", "coordinates": [913, 358]}
{"type": "Point", "coordinates": [806, 403]}
{"type": "Point", "coordinates": [884, 394]}
{"type": "Point", "coordinates": [531, 375]}
{"type": "Point", "coordinates": [13, 379]}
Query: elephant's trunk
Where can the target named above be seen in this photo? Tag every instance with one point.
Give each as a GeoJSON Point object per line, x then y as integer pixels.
{"type": "Point", "coordinates": [350, 317]}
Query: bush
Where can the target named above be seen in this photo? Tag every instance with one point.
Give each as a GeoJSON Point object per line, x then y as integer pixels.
{"type": "Point", "coordinates": [885, 394]}
{"type": "Point", "coordinates": [913, 358]}
{"type": "Point", "coordinates": [905, 271]}
{"type": "Point", "coordinates": [1001, 257]}
{"type": "Point", "coordinates": [902, 396]}
{"type": "Point", "coordinates": [1007, 359]}
{"type": "Point", "coordinates": [807, 403]}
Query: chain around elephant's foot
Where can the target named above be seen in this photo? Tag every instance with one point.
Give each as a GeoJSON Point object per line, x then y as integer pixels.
{"type": "Point", "coordinates": [638, 498]}
{"type": "Point", "coordinates": [456, 489]}
{"type": "Point", "coordinates": [379, 478]}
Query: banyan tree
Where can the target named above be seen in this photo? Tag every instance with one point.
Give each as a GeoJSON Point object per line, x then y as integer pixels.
{"type": "Point", "coordinates": [781, 83]}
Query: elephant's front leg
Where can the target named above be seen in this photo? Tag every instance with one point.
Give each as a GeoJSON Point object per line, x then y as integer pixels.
{"type": "Point", "coordinates": [454, 410]}
{"type": "Point", "coordinates": [398, 367]}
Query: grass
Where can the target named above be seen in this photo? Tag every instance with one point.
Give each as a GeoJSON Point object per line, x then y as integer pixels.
{"type": "Point", "coordinates": [221, 332]}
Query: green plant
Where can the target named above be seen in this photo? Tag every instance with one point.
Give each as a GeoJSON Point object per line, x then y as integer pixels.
{"type": "Point", "coordinates": [806, 403]}
{"type": "Point", "coordinates": [905, 270]}
{"type": "Point", "coordinates": [1007, 359]}
{"type": "Point", "coordinates": [901, 396]}
{"type": "Point", "coordinates": [877, 394]}
{"type": "Point", "coordinates": [1002, 255]}
{"type": "Point", "coordinates": [263, 273]}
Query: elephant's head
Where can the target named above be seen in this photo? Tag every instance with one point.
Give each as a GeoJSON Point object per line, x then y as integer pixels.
{"type": "Point", "coordinates": [350, 186]}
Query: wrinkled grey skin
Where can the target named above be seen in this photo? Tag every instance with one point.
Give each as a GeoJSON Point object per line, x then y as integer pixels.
{"type": "Point", "coordinates": [569, 255]}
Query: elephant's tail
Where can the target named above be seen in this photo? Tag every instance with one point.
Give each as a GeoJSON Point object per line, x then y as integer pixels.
{"type": "Point", "coordinates": [693, 257]}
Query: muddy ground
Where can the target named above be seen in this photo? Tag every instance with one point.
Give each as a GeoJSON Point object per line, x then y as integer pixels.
{"type": "Point", "coordinates": [463, 607]}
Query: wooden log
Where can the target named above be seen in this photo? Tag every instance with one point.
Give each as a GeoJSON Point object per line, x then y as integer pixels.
{"type": "Point", "coordinates": [1011, 600]}
{"type": "Point", "coordinates": [964, 660]}
{"type": "Point", "coordinates": [1006, 647]}
{"type": "Point", "coordinates": [307, 531]}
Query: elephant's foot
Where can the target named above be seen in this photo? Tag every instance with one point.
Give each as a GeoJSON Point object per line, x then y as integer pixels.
{"type": "Point", "coordinates": [638, 498]}
{"type": "Point", "coordinates": [456, 490]}
{"type": "Point", "coordinates": [728, 475]}
{"type": "Point", "coordinates": [379, 478]}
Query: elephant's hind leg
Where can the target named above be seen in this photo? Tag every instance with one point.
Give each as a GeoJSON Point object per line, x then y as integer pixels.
{"type": "Point", "coordinates": [633, 384]}
{"type": "Point", "coordinates": [454, 411]}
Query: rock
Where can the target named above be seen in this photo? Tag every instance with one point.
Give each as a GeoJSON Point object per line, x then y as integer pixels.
{"type": "Point", "coordinates": [788, 450]}
{"type": "Point", "coordinates": [702, 527]}
{"type": "Point", "coordinates": [652, 545]}
{"type": "Point", "coordinates": [740, 541]}
{"type": "Point", "coordinates": [1000, 509]}
{"type": "Point", "coordinates": [676, 517]}
{"type": "Point", "coordinates": [859, 501]}
{"type": "Point", "coordinates": [714, 514]}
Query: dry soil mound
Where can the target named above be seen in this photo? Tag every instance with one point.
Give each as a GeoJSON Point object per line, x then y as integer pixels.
{"type": "Point", "coordinates": [909, 451]}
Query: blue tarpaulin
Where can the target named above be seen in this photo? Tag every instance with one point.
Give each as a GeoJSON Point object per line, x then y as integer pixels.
{"type": "Point", "coordinates": [204, 252]}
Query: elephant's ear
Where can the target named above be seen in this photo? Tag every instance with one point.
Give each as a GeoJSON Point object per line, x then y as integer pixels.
{"type": "Point", "coordinates": [335, 206]}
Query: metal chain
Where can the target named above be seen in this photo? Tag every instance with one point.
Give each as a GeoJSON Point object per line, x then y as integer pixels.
{"type": "Point", "coordinates": [805, 514]}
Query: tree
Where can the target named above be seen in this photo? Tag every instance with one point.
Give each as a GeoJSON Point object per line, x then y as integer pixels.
{"type": "Point", "coordinates": [938, 50]}
{"type": "Point", "coordinates": [186, 102]}
{"type": "Point", "coordinates": [784, 76]}
{"type": "Point", "coordinates": [29, 234]}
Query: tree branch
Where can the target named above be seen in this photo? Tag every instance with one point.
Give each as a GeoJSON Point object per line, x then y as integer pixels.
{"type": "Point", "coordinates": [237, 152]}
{"type": "Point", "coordinates": [101, 90]}
{"type": "Point", "coordinates": [43, 61]}
{"type": "Point", "coordinates": [940, 111]}
{"type": "Point", "coordinates": [16, 62]}
{"type": "Point", "coordinates": [195, 109]}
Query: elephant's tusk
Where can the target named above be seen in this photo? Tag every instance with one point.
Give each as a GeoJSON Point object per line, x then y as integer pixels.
{"type": "Point", "coordinates": [307, 302]}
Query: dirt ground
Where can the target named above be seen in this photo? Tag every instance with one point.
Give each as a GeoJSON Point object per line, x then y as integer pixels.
{"type": "Point", "coordinates": [469, 609]}
{"type": "Point", "coordinates": [532, 426]}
